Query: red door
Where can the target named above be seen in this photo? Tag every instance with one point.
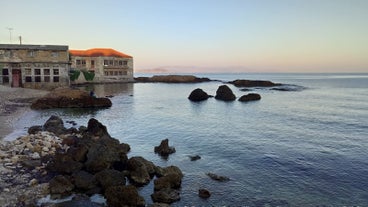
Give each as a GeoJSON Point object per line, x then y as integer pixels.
{"type": "Point", "coordinates": [16, 80]}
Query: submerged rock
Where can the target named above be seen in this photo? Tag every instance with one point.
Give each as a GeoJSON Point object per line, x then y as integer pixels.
{"type": "Point", "coordinates": [224, 93]}
{"type": "Point", "coordinates": [250, 97]}
{"type": "Point", "coordinates": [218, 177]}
{"type": "Point", "coordinates": [204, 193]}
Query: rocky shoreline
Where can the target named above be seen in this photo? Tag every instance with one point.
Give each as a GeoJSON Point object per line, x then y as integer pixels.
{"type": "Point", "coordinates": [53, 160]}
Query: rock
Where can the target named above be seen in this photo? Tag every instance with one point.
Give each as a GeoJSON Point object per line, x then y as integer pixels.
{"type": "Point", "coordinates": [204, 193]}
{"type": "Point", "coordinates": [168, 181]}
{"type": "Point", "coordinates": [250, 97]}
{"type": "Point", "coordinates": [163, 149]}
{"type": "Point", "coordinates": [218, 177]}
{"type": "Point", "coordinates": [224, 93]}
{"type": "Point", "coordinates": [253, 83]}
{"type": "Point", "coordinates": [95, 128]}
{"type": "Point", "coordinates": [34, 129]}
{"type": "Point", "coordinates": [33, 182]}
{"type": "Point", "coordinates": [103, 155]}
{"type": "Point", "coordinates": [55, 125]}
{"type": "Point", "coordinates": [60, 186]}
{"type": "Point", "coordinates": [172, 79]}
{"type": "Point", "coordinates": [198, 95]}
{"type": "Point", "coordinates": [108, 178]}
{"type": "Point", "coordinates": [194, 158]}
{"type": "Point", "coordinates": [168, 170]}
{"type": "Point", "coordinates": [140, 170]}
{"type": "Point", "coordinates": [166, 196]}
{"type": "Point", "coordinates": [64, 164]}
{"type": "Point", "coordinates": [84, 180]}
{"type": "Point", "coordinates": [124, 196]}
{"type": "Point", "coordinates": [70, 98]}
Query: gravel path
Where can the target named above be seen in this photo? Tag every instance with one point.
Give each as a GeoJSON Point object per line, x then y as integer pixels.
{"type": "Point", "coordinates": [13, 103]}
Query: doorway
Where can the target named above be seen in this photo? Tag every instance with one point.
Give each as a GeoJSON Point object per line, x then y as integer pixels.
{"type": "Point", "coordinates": [16, 78]}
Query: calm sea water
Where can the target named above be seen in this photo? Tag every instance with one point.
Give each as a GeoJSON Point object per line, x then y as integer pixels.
{"type": "Point", "coordinates": [296, 148]}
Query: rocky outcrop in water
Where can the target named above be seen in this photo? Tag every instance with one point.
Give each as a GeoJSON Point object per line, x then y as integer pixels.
{"type": "Point", "coordinates": [253, 83]}
{"type": "Point", "coordinates": [163, 149]}
{"type": "Point", "coordinates": [224, 93]}
{"type": "Point", "coordinates": [171, 79]}
{"type": "Point", "coordinates": [198, 95]}
{"type": "Point", "coordinates": [250, 97]}
{"type": "Point", "coordinates": [70, 98]}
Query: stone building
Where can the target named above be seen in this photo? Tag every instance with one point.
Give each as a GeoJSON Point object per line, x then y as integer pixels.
{"type": "Point", "coordinates": [34, 66]}
{"type": "Point", "coordinates": [100, 65]}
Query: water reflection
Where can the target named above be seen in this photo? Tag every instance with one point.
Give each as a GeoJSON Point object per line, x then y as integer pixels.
{"type": "Point", "coordinates": [111, 89]}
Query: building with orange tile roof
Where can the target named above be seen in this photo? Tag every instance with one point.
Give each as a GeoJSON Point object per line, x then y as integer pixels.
{"type": "Point", "coordinates": [105, 64]}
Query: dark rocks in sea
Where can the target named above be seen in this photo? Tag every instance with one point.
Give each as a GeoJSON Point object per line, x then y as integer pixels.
{"type": "Point", "coordinates": [204, 193]}
{"type": "Point", "coordinates": [250, 97]}
{"type": "Point", "coordinates": [124, 196]}
{"type": "Point", "coordinates": [194, 157]}
{"type": "Point", "coordinates": [198, 95]}
{"type": "Point", "coordinates": [224, 93]}
{"type": "Point", "coordinates": [218, 177]}
{"type": "Point", "coordinates": [171, 79]}
{"type": "Point", "coordinates": [94, 162]}
{"type": "Point", "coordinates": [163, 149]}
{"type": "Point", "coordinates": [253, 83]}
{"type": "Point", "coordinates": [70, 98]}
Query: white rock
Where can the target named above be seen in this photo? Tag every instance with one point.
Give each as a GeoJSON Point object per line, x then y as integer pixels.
{"type": "Point", "coordinates": [45, 149]}
{"type": "Point", "coordinates": [35, 155]}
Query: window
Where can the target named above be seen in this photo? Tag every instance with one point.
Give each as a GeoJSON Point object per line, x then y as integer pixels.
{"type": "Point", "coordinates": [54, 54]}
{"type": "Point", "coordinates": [83, 62]}
{"type": "Point", "coordinates": [28, 71]}
{"type": "Point", "coordinates": [5, 75]}
{"type": "Point", "coordinates": [125, 62]}
{"type": "Point", "coordinates": [111, 62]}
{"type": "Point", "coordinates": [78, 62]}
{"type": "Point", "coordinates": [116, 63]}
{"type": "Point", "coordinates": [106, 73]}
{"type": "Point", "coordinates": [120, 62]}
{"type": "Point", "coordinates": [106, 62]}
{"type": "Point", "coordinates": [125, 72]}
{"type": "Point", "coordinates": [46, 73]}
{"type": "Point", "coordinates": [111, 73]}
{"type": "Point", "coordinates": [115, 73]}
{"type": "Point", "coordinates": [32, 53]}
{"type": "Point", "coordinates": [37, 73]}
{"type": "Point", "coordinates": [92, 64]}
{"type": "Point", "coordinates": [56, 75]}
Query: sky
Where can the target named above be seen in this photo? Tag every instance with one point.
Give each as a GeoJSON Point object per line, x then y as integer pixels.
{"type": "Point", "coordinates": [202, 35]}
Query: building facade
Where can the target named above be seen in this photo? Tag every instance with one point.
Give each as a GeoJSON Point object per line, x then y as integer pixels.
{"type": "Point", "coordinates": [34, 66]}
{"type": "Point", "coordinates": [100, 65]}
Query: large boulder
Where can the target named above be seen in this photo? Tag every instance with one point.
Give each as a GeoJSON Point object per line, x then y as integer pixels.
{"type": "Point", "coordinates": [253, 83]}
{"type": "Point", "coordinates": [60, 186]}
{"type": "Point", "coordinates": [84, 181]}
{"type": "Point", "coordinates": [166, 195]}
{"type": "Point", "coordinates": [124, 196]}
{"type": "Point", "coordinates": [64, 164]}
{"type": "Point", "coordinates": [250, 97]}
{"type": "Point", "coordinates": [198, 95]}
{"type": "Point", "coordinates": [108, 178]}
{"type": "Point", "coordinates": [70, 98]}
{"type": "Point", "coordinates": [140, 170]}
{"type": "Point", "coordinates": [54, 124]}
{"type": "Point", "coordinates": [224, 93]}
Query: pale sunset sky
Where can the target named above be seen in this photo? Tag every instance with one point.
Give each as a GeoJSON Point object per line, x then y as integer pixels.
{"type": "Point", "coordinates": [202, 35]}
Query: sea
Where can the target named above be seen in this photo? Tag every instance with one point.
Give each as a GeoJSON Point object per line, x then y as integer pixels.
{"type": "Point", "coordinates": [304, 146]}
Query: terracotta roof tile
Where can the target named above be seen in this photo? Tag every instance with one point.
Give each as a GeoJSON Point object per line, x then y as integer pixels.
{"type": "Point", "coordinates": [97, 52]}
